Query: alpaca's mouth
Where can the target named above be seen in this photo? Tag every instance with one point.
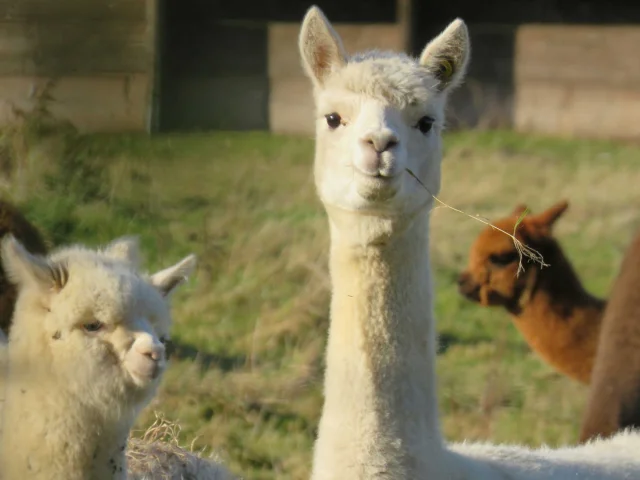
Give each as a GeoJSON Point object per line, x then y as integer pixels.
{"type": "Point", "coordinates": [378, 187]}
{"type": "Point", "coordinates": [143, 374]}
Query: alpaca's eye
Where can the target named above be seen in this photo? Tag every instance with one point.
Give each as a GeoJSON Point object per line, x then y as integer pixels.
{"type": "Point", "coordinates": [333, 120]}
{"type": "Point", "coordinates": [503, 259]}
{"type": "Point", "coordinates": [425, 124]}
{"type": "Point", "coordinates": [93, 326]}
{"type": "Point", "coordinates": [168, 346]}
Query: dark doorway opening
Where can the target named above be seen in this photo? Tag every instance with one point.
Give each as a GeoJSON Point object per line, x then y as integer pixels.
{"type": "Point", "coordinates": [212, 60]}
{"type": "Point", "coordinates": [212, 72]}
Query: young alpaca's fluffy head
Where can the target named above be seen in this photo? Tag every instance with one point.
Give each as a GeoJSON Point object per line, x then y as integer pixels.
{"type": "Point", "coordinates": [91, 321]}
{"type": "Point", "coordinates": [378, 115]}
{"type": "Point", "coordinates": [491, 277]}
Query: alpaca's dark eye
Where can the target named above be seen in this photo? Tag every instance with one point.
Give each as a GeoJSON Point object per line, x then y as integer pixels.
{"type": "Point", "coordinates": [503, 259]}
{"type": "Point", "coordinates": [425, 124]}
{"type": "Point", "coordinates": [93, 326]}
{"type": "Point", "coordinates": [333, 120]}
{"type": "Point", "coordinates": [168, 346]}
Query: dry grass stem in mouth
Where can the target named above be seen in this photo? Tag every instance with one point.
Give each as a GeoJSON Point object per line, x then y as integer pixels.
{"type": "Point", "coordinates": [523, 250]}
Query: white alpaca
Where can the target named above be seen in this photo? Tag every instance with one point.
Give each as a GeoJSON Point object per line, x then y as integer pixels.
{"type": "Point", "coordinates": [85, 354]}
{"type": "Point", "coordinates": [379, 114]}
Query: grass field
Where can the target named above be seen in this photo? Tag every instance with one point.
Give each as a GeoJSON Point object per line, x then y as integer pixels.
{"type": "Point", "coordinates": [250, 327]}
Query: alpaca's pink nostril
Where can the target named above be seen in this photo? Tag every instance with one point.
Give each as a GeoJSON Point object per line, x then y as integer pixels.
{"type": "Point", "coordinates": [155, 353]}
{"type": "Point", "coordinates": [380, 141]}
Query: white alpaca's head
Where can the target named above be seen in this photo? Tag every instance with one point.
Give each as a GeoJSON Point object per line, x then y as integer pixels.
{"type": "Point", "coordinates": [99, 325]}
{"type": "Point", "coordinates": [377, 115]}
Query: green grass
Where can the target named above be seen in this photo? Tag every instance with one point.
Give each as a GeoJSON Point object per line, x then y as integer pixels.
{"type": "Point", "coordinates": [251, 325]}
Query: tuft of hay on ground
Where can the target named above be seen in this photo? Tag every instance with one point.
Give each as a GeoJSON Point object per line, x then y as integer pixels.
{"type": "Point", "coordinates": [157, 455]}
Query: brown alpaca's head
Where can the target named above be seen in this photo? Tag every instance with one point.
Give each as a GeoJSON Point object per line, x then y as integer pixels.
{"type": "Point", "coordinates": [490, 278]}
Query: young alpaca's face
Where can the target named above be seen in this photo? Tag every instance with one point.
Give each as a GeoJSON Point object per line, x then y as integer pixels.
{"type": "Point", "coordinates": [100, 324]}
{"type": "Point", "coordinates": [491, 276]}
{"type": "Point", "coordinates": [378, 116]}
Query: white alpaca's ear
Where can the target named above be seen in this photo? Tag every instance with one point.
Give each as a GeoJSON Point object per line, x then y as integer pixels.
{"type": "Point", "coordinates": [23, 268]}
{"type": "Point", "coordinates": [126, 249]}
{"type": "Point", "coordinates": [447, 55]}
{"type": "Point", "coordinates": [168, 279]}
{"type": "Point", "coordinates": [320, 47]}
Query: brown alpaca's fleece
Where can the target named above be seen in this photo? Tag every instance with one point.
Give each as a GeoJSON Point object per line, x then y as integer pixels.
{"type": "Point", "coordinates": [558, 318]}
{"type": "Point", "coordinates": [12, 221]}
{"type": "Point", "coordinates": [614, 396]}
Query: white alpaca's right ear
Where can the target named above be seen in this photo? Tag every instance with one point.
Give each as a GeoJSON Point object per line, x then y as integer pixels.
{"type": "Point", "coordinates": [126, 249]}
{"type": "Point", "coordinates": [320, 47]}
{"type": "Point", "coordinates": [168, 279]}
{"type": "Point", "coordinates": [23, 268]}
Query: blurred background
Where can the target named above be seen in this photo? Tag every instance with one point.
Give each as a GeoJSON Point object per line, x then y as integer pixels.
{"type": "Point", "coordinates": [190, 124]}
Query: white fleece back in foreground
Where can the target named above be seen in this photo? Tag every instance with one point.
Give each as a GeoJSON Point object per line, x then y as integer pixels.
{"type": "Point", "coordinates": [379, 118]}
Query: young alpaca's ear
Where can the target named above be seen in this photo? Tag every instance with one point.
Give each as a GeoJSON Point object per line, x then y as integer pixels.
{"type": "Point", "coordinates": [541, 225]}
{"type": "Point", "coordinates": [519, 210]}
{"type": "Point", "coordinates": [320, 47]}
{"type": "Point", "coordinates": [447, 55]}
{"type": "Point", "coordinates": [126, 249]}
{"type": "Point", "coordinates": [168, 279]}
{"type": "Point", "coordinates": [549, 217]}
{"type": "Point", "coordinates": [25, 269]}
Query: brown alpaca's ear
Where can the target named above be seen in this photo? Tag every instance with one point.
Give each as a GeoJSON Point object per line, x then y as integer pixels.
{"type": "Point", "coordinates": [541, 225]}
{"type": "Point", "coordinates": [519, 210]}
{"type": "Point", "coordinates": [549, 217]}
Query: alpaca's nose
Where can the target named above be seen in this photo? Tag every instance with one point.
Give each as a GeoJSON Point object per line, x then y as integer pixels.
{"type": "Point", "coordinates": [380, 140]}
{"type": "Point", "coordinates": [462, 279]}
{"type": "Point", "coordinates": [152, 350]}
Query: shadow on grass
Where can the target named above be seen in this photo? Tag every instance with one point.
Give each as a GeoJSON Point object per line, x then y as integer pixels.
{"type": "Point", "coordinates": [446, 340]}
{"type": "Point", "coordinates": [185, 351]}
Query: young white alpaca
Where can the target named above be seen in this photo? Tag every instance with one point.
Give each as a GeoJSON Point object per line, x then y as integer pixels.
{"type": "Point", "coordinates": [379, 115]}
{"type": "Point", "coordinates": [85, 355]}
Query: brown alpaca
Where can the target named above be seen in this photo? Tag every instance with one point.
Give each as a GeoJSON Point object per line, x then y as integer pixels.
{"type": "Point", "coordinates": [558, 318]}
{"type": "Point", "coordinates": [12, 221]}
{"type": "Point", "coordinates": [614, 396]}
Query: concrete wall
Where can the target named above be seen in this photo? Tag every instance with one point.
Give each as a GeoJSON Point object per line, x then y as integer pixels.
{"type": "Point", "coordinates": [98, 51]}
{"type": "Point", "coordinates": [218, 69]}
{"type": "Point", "coordinates": [578, 80]}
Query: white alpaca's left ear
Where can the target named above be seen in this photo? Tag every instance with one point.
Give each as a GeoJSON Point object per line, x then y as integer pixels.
{"type": "Point", "coordinates": [25, 269]}
{"type": "Point", "coordinates": [447, 55]}
{"type": "Point", "coordinates": [168, 279]}
{"type": "Point", "coordinates": [126, 249]}
{"type": "Point", "coordinates": [320, 47]}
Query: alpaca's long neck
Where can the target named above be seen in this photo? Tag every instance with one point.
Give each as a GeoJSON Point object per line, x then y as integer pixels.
{"type": "Point", "coordinates": [380, 416]}
{"type": "Point", "coordinates": [561, 320]}
{"type": "Point", "coordinates": [49, 433]}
